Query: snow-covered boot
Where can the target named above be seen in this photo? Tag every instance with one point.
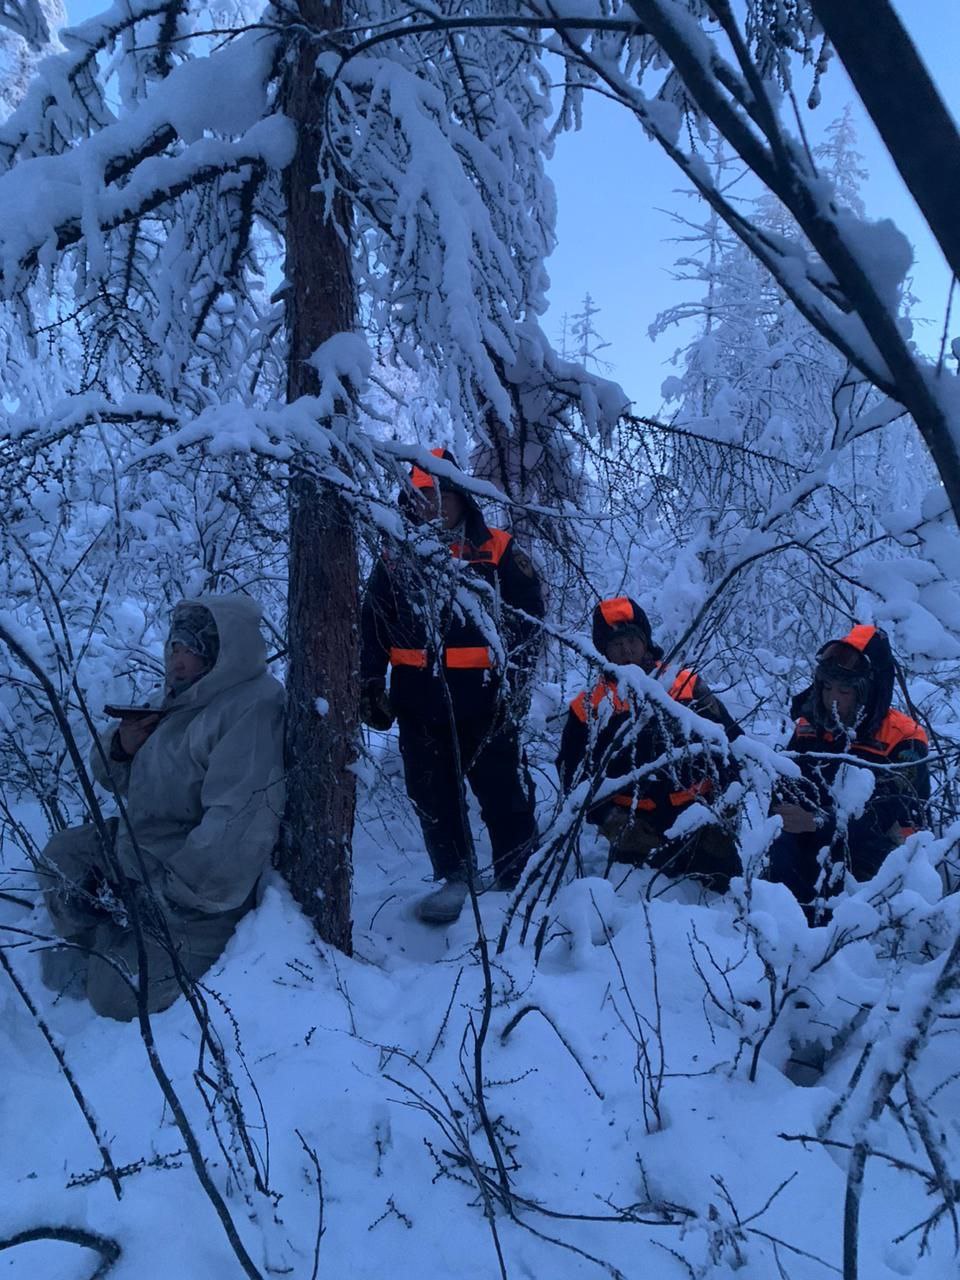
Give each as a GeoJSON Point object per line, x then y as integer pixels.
{"type": "Point", "coordinates": [444, 905]}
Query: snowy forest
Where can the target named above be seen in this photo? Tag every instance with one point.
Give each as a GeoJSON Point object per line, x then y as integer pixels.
{"type": "Point", "coordinates": [457, 818]}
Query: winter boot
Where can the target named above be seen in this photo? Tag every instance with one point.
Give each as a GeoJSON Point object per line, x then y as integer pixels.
{"type": "Point", "coordinates": [444, 905]}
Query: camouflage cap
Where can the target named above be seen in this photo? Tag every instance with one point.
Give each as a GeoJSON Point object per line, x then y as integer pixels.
{"type": "Point", "coordinates": [194, 627]}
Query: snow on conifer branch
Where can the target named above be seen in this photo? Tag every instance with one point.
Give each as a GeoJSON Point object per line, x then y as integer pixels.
{"type": "Point", "coordinates": [25, 18]}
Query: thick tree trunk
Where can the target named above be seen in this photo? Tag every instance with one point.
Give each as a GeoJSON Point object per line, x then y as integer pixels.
{"type": "Point", "coordinates": [323, 601]}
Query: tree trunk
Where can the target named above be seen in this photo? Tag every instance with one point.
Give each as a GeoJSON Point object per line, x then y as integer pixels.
{"type": "Point", "coordinates": [323, 601]}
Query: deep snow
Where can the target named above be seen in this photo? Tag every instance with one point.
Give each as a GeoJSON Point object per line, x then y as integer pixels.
{"type": "Point", "coordinates": [353, 1053]}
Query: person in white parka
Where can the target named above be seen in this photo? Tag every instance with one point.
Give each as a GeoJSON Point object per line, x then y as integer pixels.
{"type": "Point", "coordinates": [201, 778]}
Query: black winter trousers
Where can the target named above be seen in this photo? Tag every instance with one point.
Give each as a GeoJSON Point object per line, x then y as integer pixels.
{"type": "Point", "coordinates": [794, 860]}
{"type": "Point", "coordinates": [491, 761]}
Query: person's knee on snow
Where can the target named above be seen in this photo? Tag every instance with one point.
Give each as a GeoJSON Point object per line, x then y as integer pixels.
{"type": "Point", "coordinates": [201, 774]}
{"type": "Point", "coordinates": [612, 733]}
{"type": "Point", "coordinates": [845, 718]}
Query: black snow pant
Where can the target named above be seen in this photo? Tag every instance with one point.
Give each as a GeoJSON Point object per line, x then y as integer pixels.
{"type": "Point", "coordinates": [795, 861]}
{"type": "Point", "coordinates": [491, 760]}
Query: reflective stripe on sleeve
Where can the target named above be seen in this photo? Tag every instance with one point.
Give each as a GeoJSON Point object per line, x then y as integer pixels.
{"type": "Point", "coordinates": [409, 658]}
{"type": "Point", "coordinates": [460, 657]}
{"type": "Point", "coordinates": [676, 798]}
{"type": "Point", "coordinates": [464, 657]}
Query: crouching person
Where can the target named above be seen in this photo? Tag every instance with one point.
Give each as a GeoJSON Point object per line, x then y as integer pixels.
{"type": "Point", "coordinates": [201, 780]}
{"type": "Point", "coordinates": [846, 715]}
{"type": "Point", "coordinates": [617, 734]}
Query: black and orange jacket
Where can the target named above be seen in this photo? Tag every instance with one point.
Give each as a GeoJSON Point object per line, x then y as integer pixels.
{"type": "Point", "coordinates": [599, 717]}
{"type": "Point", "coordinates": [434, 647]}
{"type": "Point", "coordinates": [883, 736]}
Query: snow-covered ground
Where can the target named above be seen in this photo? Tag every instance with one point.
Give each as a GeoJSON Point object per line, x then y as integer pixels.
{"type": "Point", "coordinates": [636, 1100]}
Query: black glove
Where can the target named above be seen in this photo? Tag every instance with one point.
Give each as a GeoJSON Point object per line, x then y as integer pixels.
{"type": "Point", "coordinates": [375, 705]}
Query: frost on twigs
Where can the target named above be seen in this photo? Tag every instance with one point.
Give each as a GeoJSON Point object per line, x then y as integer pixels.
{"type": "Point", "coordinates": [446, 170]}
{"type": "Point", "coordinates": [604, 1093]}
{"type": "Point", "coordinates": [25, 18]}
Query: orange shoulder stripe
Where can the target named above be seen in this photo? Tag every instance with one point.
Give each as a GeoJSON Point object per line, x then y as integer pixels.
{"type": "Point", "coordinates": [584, 704]}
{"type": "Point", "coordinates": [683, 686]}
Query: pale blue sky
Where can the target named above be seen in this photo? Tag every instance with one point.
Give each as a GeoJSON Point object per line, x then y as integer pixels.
{"type": "Point", "coordinates": [613, 185]}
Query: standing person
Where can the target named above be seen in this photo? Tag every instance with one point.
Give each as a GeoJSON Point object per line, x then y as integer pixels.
{"type": "Point", "coordinates": [461, 636]}
{"type": "Point", "coordinates": [846, 715]}
{"type": "Point", "coordinates": [618, 734]}
{"type": "Point", "coordinates": [201, 776]}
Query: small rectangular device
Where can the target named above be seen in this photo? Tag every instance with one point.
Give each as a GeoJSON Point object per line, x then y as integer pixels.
{"type": "Point", "coordinates": [130, 713]}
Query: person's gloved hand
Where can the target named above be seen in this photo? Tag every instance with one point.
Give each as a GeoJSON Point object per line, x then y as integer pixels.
{"type": "Point", "coordinates": [628, 831]}
{"type": "Point", "coordinates": [612, 819]}
{"type": "Point", "coordinates": [132, 734]}
{"type": "Point", "coordinates": [797, 821]}
{"type": "Point", "coordinates": [375, 705]}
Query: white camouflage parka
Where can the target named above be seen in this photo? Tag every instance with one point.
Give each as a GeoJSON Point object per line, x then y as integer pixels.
{"type": "Point", "coordinates": [205, 792]}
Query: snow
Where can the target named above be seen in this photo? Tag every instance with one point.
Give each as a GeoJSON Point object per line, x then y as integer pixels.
{"type": "Point", "coordinates": [657, 1006]}
{"type": "Point", "coordinates": [343, 363]}
{"type": "Point", "coordinates": [638, 1062]}
{"type": "Point", "coordinates": [883, 250]}
{"type": "Point", "coordinates": [26, 19]}
{"type": "Point", "coordinates": [45, 200]}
